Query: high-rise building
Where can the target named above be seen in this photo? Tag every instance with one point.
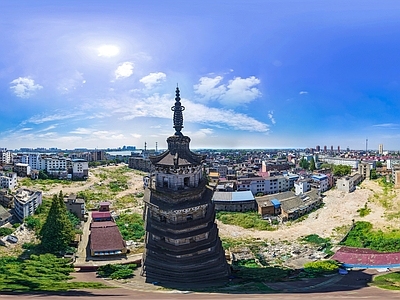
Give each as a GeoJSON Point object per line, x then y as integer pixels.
{"type": "Point", "coordinates": [318, 148]}
{"type": "Point", "coordinates": [380, 150]}
{"type": "Point", "coordinates": [325, 149]}
{"type": "Point", "coordinates": [182, 241]}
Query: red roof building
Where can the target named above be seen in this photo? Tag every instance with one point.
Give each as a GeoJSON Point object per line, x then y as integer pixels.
{"type": "Point", "coordinates": [366, 258]}
{"type": "Point", "coordinates": [106, 239]}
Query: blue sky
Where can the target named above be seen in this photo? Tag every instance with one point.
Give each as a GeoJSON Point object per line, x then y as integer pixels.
{"type": "Point", "coordinates": [252, 74]}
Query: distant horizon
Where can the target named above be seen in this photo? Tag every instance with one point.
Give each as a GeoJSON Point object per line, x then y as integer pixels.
{"type": "Point", "coordinates": [251, 74]}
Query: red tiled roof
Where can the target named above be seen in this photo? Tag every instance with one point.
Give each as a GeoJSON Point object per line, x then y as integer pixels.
{"type": "Point", "coordinates": [360, 256]}
{"type": "Point", "coordinates": [101, 214]}
{"type": "Point", "coordinates": [106, 239]}
{"type": "Point", "coordinates": [102, 224]}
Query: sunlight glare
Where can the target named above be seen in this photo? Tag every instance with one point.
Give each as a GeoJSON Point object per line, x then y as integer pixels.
{"type": "Point", "coordinates": [108, 50]}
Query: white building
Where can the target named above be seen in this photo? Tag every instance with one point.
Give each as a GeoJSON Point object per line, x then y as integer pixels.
{"type": "Point", "coordinates": [80, 168]}
{"type": "Point", "coordinates": [5, 156]}
{"type": "Point", "coordinates": [302, 186]}
{"type": "Point", "coordinates": [57, 166]}
{"type": "Point", "coordinates": [353, 163]}
{"type": "Point", "coordinates": [8, 180]}
{"type": "Point", "coordinates": [26, 202]}
{"type": "Point", "coordinates": [321, 181]}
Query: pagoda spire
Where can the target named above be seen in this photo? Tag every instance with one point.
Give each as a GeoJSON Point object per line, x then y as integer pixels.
{"type": "Point", "coordinates": [178, 116]}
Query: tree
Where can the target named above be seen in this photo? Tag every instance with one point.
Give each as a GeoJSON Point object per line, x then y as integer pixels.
{"type": "Point", "coordinates": [373, 174]}
{"type": "Point", "coordinates": [57, 231]}
{"type": "Point", "coordinates": [341, 170]}
{"type": "Point", "coordinates": [312, 164]}
{"type": "Point", "coordinates": [303, 163]}
{"type": "Point", "coordinates": [379, 164]}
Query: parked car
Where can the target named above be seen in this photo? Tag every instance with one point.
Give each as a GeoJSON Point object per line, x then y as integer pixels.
{"type": "Point", "coordinates": [12, 238]}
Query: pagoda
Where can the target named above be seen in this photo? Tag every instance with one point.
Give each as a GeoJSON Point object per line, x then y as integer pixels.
{"type": "Point", "coordinates": [182, 241]}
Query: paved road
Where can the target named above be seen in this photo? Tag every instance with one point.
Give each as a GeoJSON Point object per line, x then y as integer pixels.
{"type": "Point", "coordinates": [352, 286]}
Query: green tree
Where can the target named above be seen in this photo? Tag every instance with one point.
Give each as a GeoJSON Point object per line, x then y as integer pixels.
{"type": "Point", "coordinates": [379, 164]}
{"type": "Point", "coordinates": [373, 174]}
{"type": "Point", "coordinates": [312, 164]}
{"type": "Point", "coordinates": [341, 170]}
{"type": "Point", "coordinates": [303, 163]}
{"type": "Point", "coordinates": [57, 231]}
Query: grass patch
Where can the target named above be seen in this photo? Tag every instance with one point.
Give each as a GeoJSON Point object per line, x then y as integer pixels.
{"type": "Point", "coordinates": [364, 211]}
{"type": "Point", "coordinates": [363, 236]}
{"type": "Point", "coordinates": [389, 281]}
{"type": "Point", "coordinates": [131, 226]}
{"type": "Point", "coordinates": [117, 271]}
{"type": "Point", "coordinates": [321, 267]}
{"type": "Point", "coordinates": [125, 201]}
{"type": "Point", "coordinates": [249, 271]}
{"type": "Point", "coordinates": [324, 244]}
{"type": "Point", "coordinates": [246, 220]}
{"type": "Point", "coordinates": [43, 272]}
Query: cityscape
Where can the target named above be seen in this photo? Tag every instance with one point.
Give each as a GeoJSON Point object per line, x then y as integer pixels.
{"type": "Point", "coordinates": [238, 149]}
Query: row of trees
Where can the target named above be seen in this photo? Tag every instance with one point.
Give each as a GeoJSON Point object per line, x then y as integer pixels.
{"type": "Point", "coordinates": [338, 170]}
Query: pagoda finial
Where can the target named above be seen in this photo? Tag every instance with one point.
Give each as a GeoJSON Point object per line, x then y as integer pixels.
{"type": "Point", "coordinates": [178, 116]}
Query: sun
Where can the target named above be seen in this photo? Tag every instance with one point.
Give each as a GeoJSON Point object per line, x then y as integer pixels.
{"type": "Point", "coordinates": [108, 50]}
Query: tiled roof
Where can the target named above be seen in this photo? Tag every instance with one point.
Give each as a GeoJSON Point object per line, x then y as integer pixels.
{"type": "Point", "coordinates": [106, 238]}
{"type": "Point", "coordinates": [366, 257]}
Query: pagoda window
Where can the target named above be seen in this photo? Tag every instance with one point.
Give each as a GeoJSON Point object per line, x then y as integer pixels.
{"type": "Point", "coordinates": [189, 217]}
{"type": "Point", "coordinates": [165, 182]}
{"type": "Point", "coordinates": [186, 181]}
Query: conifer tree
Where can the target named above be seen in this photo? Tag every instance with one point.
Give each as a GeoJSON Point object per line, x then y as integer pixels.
{"type": "Point", "coordinates": [57, 231]}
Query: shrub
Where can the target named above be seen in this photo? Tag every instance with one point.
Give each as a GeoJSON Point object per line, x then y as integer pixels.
{"type": "Point", "coordinates": [5, 231]}
{"type": "Point", "coordinates": [116, 271]}
{"type": "Point", "coordinates": [321, 266]}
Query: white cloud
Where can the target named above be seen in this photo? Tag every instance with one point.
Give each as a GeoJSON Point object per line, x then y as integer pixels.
{"type": "Point", "coordinates": [124, 70]}
{"type": "Point", "coordinates": [387, 125]}
{"type": "Point", "coordinates": [271, 117]}
{"type": "Point", "coordinates": [70, 83]}
{"type": "Point", "coordinates": [107, 50]}
{"type": "Point", "coordinates": [155, 106]}
{"type": "Point", "coordinates": [153, 79]}
{"type": "Point", "coordinates": [238, 91]}
{"type": "Point", "coordinates": [54, 117]}
{"type": "Point", "coordinates": [303, 93]}
{"type": "Point", "coordinates": [136, 135]}
{"type": "Point", "coordinates": [81, 131]}
{"type": "Point", "coordinates": [24, 87]}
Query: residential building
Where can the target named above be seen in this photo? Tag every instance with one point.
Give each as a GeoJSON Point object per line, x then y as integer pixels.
{"type": "Point", "coordinates": [5, 156]}
{"type": "Point", "coordinates": [8, 180]}
{"type": "Point", "coordinates": [22, 170]}
{"type": "Point", "coordinates": [57, 166]}
{"type": "Point", "coordinates": [80, 168]}
{"type": "Point", "coordinates": [348, 183]}
{"type": "Point", "coordinates": [139, 163]}
{"type": "Point", "coordinates": [234, 201]}
{"type": "Point", "coordinates": [352, 162]}
{"type": "Point", "coordinates": [76, 206]}
{"type": "Point", "coordinates": [364, 168]}
{"type": "Point", "coordinates": [5, 216]}
{"type": "Point", "coordinates": [6, 198]}
{"type": "Point", "coordinates": [26, 202]}
{"type": "Point", "coordinates": [302, 186]}
{"type": "Point", "coordinates": [321, 182]}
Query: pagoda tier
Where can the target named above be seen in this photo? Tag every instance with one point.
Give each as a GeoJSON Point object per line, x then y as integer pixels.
{"type": "Point", "coordinates": [182, 242]}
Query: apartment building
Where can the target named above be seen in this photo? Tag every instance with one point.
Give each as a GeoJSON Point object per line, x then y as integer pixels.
{"type": "Point", "coordinates": [8, 180]}
{"type": "Point", "coordinates": [5, 156]}
{"type": "Point", "coordinates": [57, 166]}
{"type": "Point", "coordinates": [22, 169]}
{"type": "Point", "coordinates": [302, 186]}
{"type": "Point", "coordinates": [321, 182]}
{"type": "Point", "coordinates": [80, 168]}
{"type": "Point", "coordinates": [26, 202]}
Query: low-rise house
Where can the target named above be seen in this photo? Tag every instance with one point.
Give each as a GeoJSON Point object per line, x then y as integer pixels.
{"type": "Point", "coordinates": [348, 184]}
{"type": "Point", "coordinates": [101, 216]}
{"type": "Point", "coordinates": [26, 202]}
{"type": "Point", "coordinates": [268, 207]}
{"type": "Point", "coordinates": [234, 201]}
{"type": "Point", "coordinates": [106, 239]}
{"type": "Point", "coordinates": [292, 206]}
{"type": "Point", "coordinates": [6, 198]}
{"type": "Point", "coordinates": [5, 216]}
{"type": "Point", "coordinates": [76, 206]}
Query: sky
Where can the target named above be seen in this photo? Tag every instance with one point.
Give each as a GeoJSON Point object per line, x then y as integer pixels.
{"type": "Point", "coordinates": [252, 73]}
